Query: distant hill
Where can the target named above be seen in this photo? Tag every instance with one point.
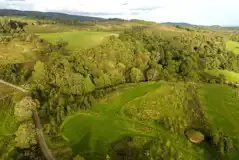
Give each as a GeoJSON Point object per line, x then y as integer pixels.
{"type": "Point", "coordinates": [178, 23]}
{"type": "Point", "coordinates": [11, 12]}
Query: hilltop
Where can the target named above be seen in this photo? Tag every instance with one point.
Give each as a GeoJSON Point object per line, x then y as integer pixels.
{"type": "Point", "coordinates": [178, 23]}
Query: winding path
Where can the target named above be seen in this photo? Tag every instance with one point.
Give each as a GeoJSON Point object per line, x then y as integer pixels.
{"type": "Point", "coordinates": [40, 136]}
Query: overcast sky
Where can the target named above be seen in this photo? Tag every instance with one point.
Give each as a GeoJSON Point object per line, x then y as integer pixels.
{"type": "Point", "coordinates": [204, 12]}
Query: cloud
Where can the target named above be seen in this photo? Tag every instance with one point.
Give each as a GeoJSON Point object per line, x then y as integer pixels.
{"type": "Point", "coordinates": [15, 0]}
{"type": "Point", "coordinates": [149, 8]}
{"type": "Point", "coordinates": [100, 14]}
{"type": "Point", "coordinates": [93, 13]}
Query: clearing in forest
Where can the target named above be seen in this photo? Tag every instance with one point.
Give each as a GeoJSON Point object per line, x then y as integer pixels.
{"type": "Point", "coordinates": [91, 133]}
{"type": "Point", "coordinates": [78, 40]}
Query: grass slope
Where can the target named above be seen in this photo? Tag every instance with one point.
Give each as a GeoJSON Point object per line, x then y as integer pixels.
{"type": "Point", "coordinates": [78, 40]}
{"type": "Point", "coordinates": [17, 51]}
{"type": "Point", "coordinates": [229, 75]}
{"type": "Point", "coordinates": [233, 46]}
{"type": "Point", "coordinates": [220, 103]}
{"type": "Point", "coordinates": [103, 125]}
{"type": "Point", "coordinates": [91, 133]}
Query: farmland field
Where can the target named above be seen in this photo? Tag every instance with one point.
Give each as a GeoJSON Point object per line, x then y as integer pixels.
{"type": "Point", "coordinates": [78, 40]}
{"type": "Point", "coordinates": [106, 123]}
{"type": "Point", "coordinates": [233, 46]}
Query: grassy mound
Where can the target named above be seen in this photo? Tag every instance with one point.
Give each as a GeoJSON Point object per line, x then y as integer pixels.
{"type": "Point", "coordinates": [233, 46]}
{"type": "Point", "coordinates": [92, 133]}
{"type": "Point", "coordinates": [104, 124]}
{"type": "Point", "coordinates": [78, 40]}
{"type": "Point", "coordinates": [167, 100]}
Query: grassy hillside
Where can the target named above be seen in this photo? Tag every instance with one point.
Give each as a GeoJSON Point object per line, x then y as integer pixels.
{"type": "Point", "coordinates": [229, 75]}
{"type": "Point", "coordinates": [233, 46]}
{"type": "Point", "coordinates": [104, 124]}
{"type": "Point", "coordinates": [109, 121]}
{"type": "Point", "coordinates": [78, 40]}
{"type": "Point", "coordinates": [220, 104]}
{"type": "Point", "coordinates": [17, 52]}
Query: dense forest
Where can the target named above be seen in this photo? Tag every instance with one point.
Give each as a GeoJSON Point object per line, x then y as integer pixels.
{"type": "Point", "coordinates": [63, 82]}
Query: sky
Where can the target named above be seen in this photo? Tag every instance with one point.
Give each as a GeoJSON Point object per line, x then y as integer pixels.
{"type": "Point", "coordinates": [200, 12]}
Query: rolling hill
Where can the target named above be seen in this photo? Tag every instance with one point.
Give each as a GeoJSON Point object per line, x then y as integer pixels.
{"type": "Point", "coordinates": [178, 23]}
{"type": "Point", "coordinates": [10, 12]}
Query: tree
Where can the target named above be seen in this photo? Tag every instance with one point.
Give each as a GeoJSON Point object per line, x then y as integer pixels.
{"type": "Point", "coordinates": [78, 157]}
{"type": "Point", "coordinates": [60, 44]}
{"type": "Point", "coordinates": [39, 72]}
{"type": "Point", "coordinates": [23, 109]}
{"type": "Point", "coordinates": [87, 85]}
{"type": "Point", "coordinates": [154, 73]}
{"type": "Point", "coordinates": [222, 78]}
{"type": "Point", "coordinates": [103, 81]}
{"type": "Point", "coordinates": [136, 75]}
{"type": "Point", "coordinates": [25, 135]}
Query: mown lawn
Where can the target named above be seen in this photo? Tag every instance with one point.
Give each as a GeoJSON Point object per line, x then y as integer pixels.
{"type": "Point", "coordinates": [233, 46]}
{"type": "Point", "coordinates": [78, 40]}
{"type": "Point", "coordinates": [91, 133]}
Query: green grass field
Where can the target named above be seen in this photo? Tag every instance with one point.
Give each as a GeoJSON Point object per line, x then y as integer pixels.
{"type": "Point", "coordinates": [229, 75]}
{"type": "Point", "coordinates": [233, 46]}
{"type": "Point", "coordinates": [92, 132]}
{"type": "Point", "coordinates": [78, 40]}
{"type": "Point", "coordinates": [220, 103]}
